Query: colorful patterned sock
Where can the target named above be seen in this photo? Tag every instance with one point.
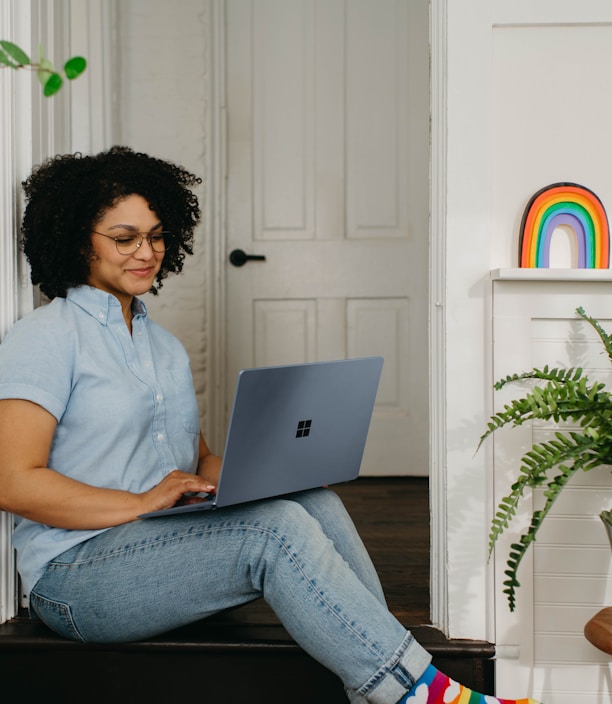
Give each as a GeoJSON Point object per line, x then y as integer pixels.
{"type": "Point", "coordinates": [436, 688]}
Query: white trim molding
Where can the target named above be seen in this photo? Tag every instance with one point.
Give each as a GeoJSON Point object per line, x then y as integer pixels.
{"type": "Point", "coordinates": [216, 224]}
{"type": "Point", "coordinates": [437, 311]}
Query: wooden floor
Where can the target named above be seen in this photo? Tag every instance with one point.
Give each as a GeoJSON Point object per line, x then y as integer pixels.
{"type": "Point", "coordinates": [392, 516]}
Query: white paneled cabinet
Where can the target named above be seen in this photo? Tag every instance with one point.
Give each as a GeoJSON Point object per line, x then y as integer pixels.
{"type": "Point", "coordinates": [565, 578]}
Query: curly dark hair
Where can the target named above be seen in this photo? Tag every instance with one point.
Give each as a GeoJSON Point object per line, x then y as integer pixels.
{"type": "Point", "coordinates": [68, 194]}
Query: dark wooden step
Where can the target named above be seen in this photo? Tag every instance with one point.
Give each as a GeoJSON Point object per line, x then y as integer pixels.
{"type": "Point", "coordinates": [226, 659]}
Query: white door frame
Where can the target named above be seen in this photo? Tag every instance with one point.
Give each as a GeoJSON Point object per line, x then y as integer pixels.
{"type": "Point", "coordinates": [216, 224]}
{"type": "Point", "coordinates": [437, 316]}
{"type": "Point", "coordinates": [437, 288]}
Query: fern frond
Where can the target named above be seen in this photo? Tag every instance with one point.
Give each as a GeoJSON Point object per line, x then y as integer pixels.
{"type": "Point", "coordinates": [559, 376]}
{"type": "Point", "coordinates": [603, 336]}
{"type": "Point", "coordinates": [566, 397]}
{"type": "Point", "coordinates": [518, 550]}
{"type": "Point", "coordinates": [579, 451]}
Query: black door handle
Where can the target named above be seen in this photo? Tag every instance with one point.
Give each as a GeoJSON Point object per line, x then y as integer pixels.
{"type": "Point", "coordinates": [238, 257]}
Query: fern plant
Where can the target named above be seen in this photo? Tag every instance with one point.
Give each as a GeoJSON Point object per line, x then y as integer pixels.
{"type": "Point", "coordinates": [564, 396]}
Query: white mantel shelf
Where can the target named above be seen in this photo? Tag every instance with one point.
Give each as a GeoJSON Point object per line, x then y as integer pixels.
{"type": "Point", "coordinates": [551, 275]}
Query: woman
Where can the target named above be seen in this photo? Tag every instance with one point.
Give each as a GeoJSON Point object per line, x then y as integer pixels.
{"type": "Point", "coordinates": [99, 424]}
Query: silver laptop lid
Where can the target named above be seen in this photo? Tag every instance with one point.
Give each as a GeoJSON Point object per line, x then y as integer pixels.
{"type": "Point", "coordinates": [293, 428]}
{"type": "Point", "coordinates": [297, 427]}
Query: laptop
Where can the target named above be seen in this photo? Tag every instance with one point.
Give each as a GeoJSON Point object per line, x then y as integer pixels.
{"type": "Point", "coordinates": [292, 428]}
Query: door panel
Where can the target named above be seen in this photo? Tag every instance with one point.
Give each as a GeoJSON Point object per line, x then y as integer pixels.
{"type": "Point", "coordinates": [328, 179]}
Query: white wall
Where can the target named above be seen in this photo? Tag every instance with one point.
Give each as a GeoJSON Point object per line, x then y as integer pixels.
{"type": "Point", "coordinates": [468, 260]}
{"type": "Point", "coordinates": [164, 109]}
{"type": "Point", "coordinates": [528, 100]}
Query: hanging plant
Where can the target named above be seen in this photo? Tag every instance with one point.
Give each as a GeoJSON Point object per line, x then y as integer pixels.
{"type": "Point", "coordinates": [12, 56]}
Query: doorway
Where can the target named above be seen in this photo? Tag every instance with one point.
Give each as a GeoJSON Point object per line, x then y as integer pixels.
{"type": "Point", "coordinates": [325, 116]}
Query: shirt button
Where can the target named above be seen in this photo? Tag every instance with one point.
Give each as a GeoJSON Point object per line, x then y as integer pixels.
{"type": "Point", "coordinates": [160, 437]}
{"type": "Point", "coordinates": [101, 316]}
{"type": "Point", "coordinates": [159, 397]}
{"type": "Point", "coordinates": [147, 364]}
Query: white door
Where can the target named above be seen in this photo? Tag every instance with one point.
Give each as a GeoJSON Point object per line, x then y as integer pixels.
{"type": "Point", "coordinates": [328, 173]}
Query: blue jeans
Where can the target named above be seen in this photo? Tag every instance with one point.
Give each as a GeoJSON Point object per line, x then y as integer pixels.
{"type": "Point", "coordinates": [302, 554]}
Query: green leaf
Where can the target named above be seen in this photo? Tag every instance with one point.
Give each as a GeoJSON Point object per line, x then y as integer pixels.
{"type": "Point", "coordinates": [15, 52]}
{"type": "Point", "coordinates": [45, 71]}
{"type": "Point", "coordinates": [74, 67]}
{"type": "Point", "coordinates": [4, 59]}
{"type": "Point", "coordinates": [52, 85]}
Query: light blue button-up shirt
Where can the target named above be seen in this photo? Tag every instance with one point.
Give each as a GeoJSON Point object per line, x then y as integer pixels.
{"type": "Point", "coordinates": [125, 404]}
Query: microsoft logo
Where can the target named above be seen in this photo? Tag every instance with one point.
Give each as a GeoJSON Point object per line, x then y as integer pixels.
{"type": "Point", "coordinates": [303, 429]}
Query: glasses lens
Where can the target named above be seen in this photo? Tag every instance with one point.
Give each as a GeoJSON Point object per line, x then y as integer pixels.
{"type": "Point", "coordinates": [130, 243]}
{"type": "Point", "coordinates": [158, 241]}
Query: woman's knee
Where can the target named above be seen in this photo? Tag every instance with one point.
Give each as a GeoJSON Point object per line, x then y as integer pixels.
{"type": "Point", "coordinates": [286, 516]}
{"type": "Point", "coordinates": [321, 501]}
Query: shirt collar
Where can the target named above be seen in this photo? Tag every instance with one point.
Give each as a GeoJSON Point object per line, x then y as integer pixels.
{"type": "Point", "coordinates": [101, 305]}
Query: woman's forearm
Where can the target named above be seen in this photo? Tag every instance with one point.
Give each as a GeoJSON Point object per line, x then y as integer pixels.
{"type": "Point", "coordinates": [48, 497]}
{"type": "Point", "coordinates": [45, 496]}
{"type": "Point", "coordinates": [30, 489]}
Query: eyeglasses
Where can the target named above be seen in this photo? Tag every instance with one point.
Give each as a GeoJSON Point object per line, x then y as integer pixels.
{"type": "Point", "coordinates": [130, 242]}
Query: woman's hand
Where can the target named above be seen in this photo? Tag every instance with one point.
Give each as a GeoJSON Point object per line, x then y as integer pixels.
{"type": "Point", "coordinates": [173, 489]}
{"type": "Point", "coordinates": [181, 488]}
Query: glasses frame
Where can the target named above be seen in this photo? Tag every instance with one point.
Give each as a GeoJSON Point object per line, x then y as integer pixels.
{"type": "Point", "coordinates": [143, 236]}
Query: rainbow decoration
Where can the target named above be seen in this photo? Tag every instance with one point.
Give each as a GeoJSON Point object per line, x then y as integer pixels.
{"type": "Point", "coordinates": [565, 204]}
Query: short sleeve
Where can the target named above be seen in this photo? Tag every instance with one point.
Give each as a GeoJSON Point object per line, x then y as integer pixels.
{"type": "Point", "coordinates": [36, 363]}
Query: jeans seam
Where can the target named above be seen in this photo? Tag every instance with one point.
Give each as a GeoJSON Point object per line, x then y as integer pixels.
{"type": "Point", "coordinates": [389, 667]}
{"type": "Point", "coordinates": [61, 607]}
